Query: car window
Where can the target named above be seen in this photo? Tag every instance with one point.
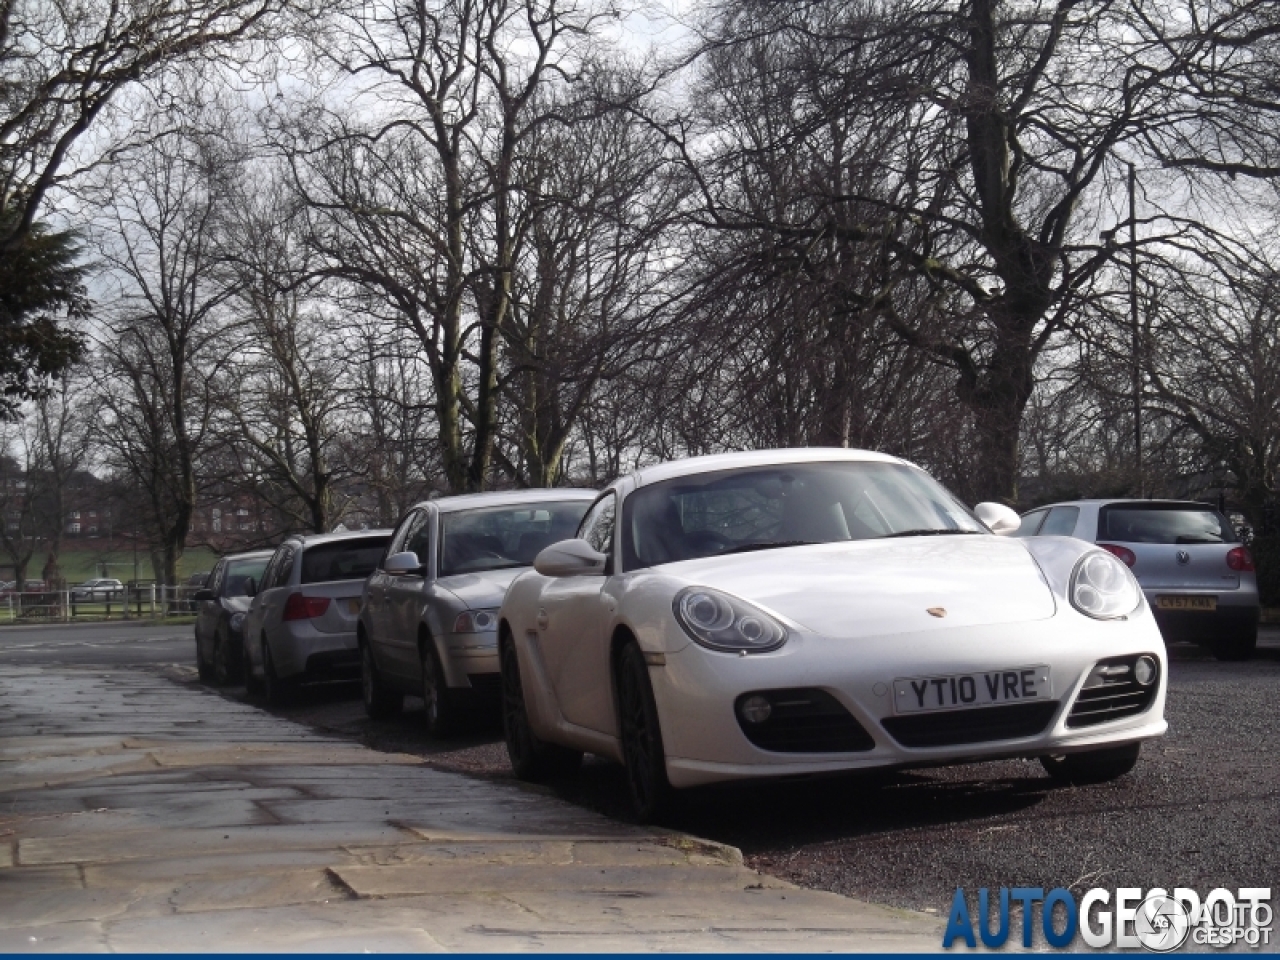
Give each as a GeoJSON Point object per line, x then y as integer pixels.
{"type": "Point", "coordinates": [1061, 522]}
{"type": "Point", "coordinates": [351, 559]}
{"type": "Point", "coordinates": [493, 538]}
{"type": "Point", "coordinates": [284, 566]}
{"type": "Point", "coordinates": [1163, 523]}
{"type": "Point", "coordinates": [1031, 523]}
{"type": "Point", "coordinates": [597, 526]}
{"type": "Point", "coordinates": [402, 532]}
{"type": "Point", "coordinates": [215, 578]}
{"type": "Point", "coordinates": [238, 574]}
{"type": "Point", "coordinates": [419, 537]}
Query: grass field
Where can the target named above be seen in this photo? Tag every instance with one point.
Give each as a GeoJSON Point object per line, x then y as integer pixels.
{"type": "Point", "coordinates": [80, 564]}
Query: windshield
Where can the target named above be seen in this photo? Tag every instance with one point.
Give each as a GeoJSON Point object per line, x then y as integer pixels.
{"type": "Point", "coordinates": [760, 508]}
{"type": "Point", "coordinates": [1164, 523]}
{"type": "Point", "coordinates": [239, 573]}
{"type": "Point", "coordinates": [498, 537]}
{"type": "Point", "coordinates": [351, 559]}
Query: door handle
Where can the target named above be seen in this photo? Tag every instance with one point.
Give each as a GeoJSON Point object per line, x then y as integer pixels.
{"type": "Point", "coordinates": [542, 619]}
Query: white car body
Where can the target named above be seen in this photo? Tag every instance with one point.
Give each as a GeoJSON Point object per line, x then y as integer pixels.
{"type": "Point", "coordinates": [863, 617]}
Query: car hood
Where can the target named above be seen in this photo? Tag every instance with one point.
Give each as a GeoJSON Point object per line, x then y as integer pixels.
{"type": "Point", "coordinates": [479, 591]}
{"type": "Point", "coordinates": [882, 587]}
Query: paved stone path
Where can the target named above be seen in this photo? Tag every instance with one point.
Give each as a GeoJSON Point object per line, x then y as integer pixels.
{"type": "Point", "coordinates": [140, 815]}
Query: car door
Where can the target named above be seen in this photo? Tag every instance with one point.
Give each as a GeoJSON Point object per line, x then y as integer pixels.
{"type": "Point", "coordinates": [373, 613]}
{"type": "Point", "coordinates": [574, 619]}
{"type": "Point", "coordinates": [275, 590]}
{"type": "Point", "coordinates": [405, 595]}
{"type": "Point", "coordinates": [210, 610]}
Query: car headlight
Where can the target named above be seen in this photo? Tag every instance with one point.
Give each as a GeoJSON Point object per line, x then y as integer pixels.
{"type": "Point", "coordinates": [237, 622]}
{"type": "Point", "coordinates": [476, 621]}
{"type": "Point", "coordinates": [1103, 588]}
{"type": "Point", "coordinates": [722, 622]}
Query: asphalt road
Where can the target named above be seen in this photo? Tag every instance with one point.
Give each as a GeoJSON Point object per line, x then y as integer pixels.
{"type": "Point", "coordinates": [1201, 810]}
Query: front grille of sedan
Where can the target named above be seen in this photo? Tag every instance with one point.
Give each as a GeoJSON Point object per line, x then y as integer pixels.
{"type": "Point", "coordinates": [950, 728]}
{"type": "Point", "coordinates": [803, 721]}
{"type": "Point", "coordinates": [1111, 692]}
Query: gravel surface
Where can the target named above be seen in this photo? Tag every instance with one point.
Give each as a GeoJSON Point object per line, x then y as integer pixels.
{"type": "Point", "coordinates": [1201, 810]}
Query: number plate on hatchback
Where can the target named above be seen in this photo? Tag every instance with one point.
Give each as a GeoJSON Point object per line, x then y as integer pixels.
{"type": "Point", "coordinates": [917, 694]}
{"type": "Point", "coordinates": [1187, 603]}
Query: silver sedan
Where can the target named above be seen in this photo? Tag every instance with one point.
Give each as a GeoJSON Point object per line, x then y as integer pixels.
{"type": "Point", "coordinates": [429, 615]}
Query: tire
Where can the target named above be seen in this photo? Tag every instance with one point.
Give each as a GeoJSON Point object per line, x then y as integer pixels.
{"type": "Point", "coordinates": [1096, 766]}
{"type": "Point", "coordinates": [276, 690]}
{"type": "Point", "coordinates": [224, 661]}
{"type": "Point", "coordinates": [203, 667]}
{"type": "Point", "coordinates": [532, 759]}
{"type": "Point", "coordinates": [1239, 644]}
{"type": "Point", "coordinates": [441, 709]}
{"type": "Point", "coordinates": [641, 735]}
{"type": "Point", "coordinates": [379, 702]}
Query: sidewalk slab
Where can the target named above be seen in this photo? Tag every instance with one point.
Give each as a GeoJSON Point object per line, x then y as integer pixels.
{"type": "Point", "coordinates": [140, 814]}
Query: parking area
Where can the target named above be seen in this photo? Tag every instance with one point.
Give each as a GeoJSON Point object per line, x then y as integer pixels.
{"type": "Point", "coordinates": [1201, 810]}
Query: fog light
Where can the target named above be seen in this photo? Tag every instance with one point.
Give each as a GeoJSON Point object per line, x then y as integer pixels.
{"type": "Point", "coordinates": [1144, 671]}
{"type": "Point", "coordinates": [755, 709]}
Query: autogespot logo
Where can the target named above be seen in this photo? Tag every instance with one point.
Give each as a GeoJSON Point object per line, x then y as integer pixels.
{"type": "Point", "coordinates": [1130, 917]}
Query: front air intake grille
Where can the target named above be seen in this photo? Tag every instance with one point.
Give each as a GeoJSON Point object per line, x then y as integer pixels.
{"type": "Point", "coordinates": [1112, 692]}
{"type": "Point", "coordinates": [803, 721]}
{"type": "Point", "coordinates": [980, 725]}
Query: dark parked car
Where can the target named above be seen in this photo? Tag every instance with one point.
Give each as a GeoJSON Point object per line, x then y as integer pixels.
{"type": "Point", "coordinates": [221, 608]}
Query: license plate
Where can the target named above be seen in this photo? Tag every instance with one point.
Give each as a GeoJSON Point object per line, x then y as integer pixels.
{"type": "Point", "coordinates": [353, 604]}
{"type": "Point", "coordinates": [1187, 603]}
{"type": "Point", "coordinates": [917, 694]}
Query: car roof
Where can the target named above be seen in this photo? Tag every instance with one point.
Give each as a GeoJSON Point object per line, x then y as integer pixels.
{"type": "Point", "coordinates": [251, 555]}
{"type": "Point", "coordinates": [753, 458]}
{"type": "Point", "coordinates": [510, 498]}
{"type": "Point", "coordinates": [1098, 502]}
{"type": "Point", "coordinates": [315, 539]}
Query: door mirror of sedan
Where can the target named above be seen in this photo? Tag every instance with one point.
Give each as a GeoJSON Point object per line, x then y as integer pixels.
{"type": "Point", "coordinates": [570, 558]}
{"type": "Point", "coordinates": [204, 596]}
{"type": "Point", "coordinates": [1000, 519]}
{"type": "Point", "coordinates": [399, 564]}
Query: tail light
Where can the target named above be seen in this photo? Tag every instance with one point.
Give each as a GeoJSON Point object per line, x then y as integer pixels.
{"type": "Point", "coordinates": [1124, 553]}
{"type": "Point", "coordinates": [298, 607]}
{"type": "Point", "coordinates": [1238, 558]}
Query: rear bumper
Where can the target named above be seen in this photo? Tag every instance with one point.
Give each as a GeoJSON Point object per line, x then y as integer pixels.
{"type": "Point", "coordinates": [1236, 610]}
{"type": "Point", "coordinates": [300, 650]}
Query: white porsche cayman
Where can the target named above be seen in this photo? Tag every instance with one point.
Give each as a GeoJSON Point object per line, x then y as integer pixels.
{"type": "Point", "coordinates": [795, 612]}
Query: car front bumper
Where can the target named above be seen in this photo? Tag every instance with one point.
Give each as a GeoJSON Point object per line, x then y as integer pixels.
{"type": "Point", "coordinates": [696, 691]}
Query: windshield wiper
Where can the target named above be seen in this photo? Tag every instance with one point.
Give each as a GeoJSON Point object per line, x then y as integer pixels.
{"type": "Point", "coordinates": [926, 532]}
{"type": "Point", "coordinates": [1185, 538]}
{"type": "Point", "coordinates": [765, 545]}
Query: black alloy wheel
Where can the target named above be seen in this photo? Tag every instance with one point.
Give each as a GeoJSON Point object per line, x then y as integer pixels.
{"type": "Point", "coordinates": [276, 690]}
{"type": "Point", "coordinates": [224, 672]}
{"type": "Point", "coordinates": [440, 707]}
{"type": "Point", "coordinates": [1095, 766]}
{"type": "Point", "coordinates": [379, 702]}
{"type": "Point", "coordinates": [203, 667]}
{"type": "Point", "coordinates": [641, 736]}
{"type": "Point", "coordinates": [531, 758]}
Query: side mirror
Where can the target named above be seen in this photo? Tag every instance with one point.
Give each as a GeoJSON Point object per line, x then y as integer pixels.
{"type": "Point", "coordinates": [570, 558]}
{"type": "Point", "coordinates": [250, 587]}
{"type": "Point", "coordinates": [1002, 520]}
{"type": "Point", "coordinates": [399, 564]}
{"type": "Point", "coordinates": [204, 595]}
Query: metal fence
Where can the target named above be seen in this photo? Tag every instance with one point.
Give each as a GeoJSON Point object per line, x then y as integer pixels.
{"type": "Point", "coordinates": [144, 600]}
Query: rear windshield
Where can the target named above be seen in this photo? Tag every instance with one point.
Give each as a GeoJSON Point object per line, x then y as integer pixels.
{"type": "Point", "coordinates": [343, 559]}
{"type": "Point", "coordinates": [1164, 523]}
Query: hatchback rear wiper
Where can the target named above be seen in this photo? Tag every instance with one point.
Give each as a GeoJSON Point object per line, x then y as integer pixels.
{"type": "Point", "coordinates": [1182, 538]}
{"type": "Point", "coordinates": [925, 532]}
{"type": "Point", "coordinates": [765, 545]}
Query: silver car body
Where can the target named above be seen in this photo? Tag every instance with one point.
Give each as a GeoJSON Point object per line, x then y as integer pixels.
{"type": "Point", "coordinates": [1170, 574]}
{"type": "Point", "coordinates": [319, 647]}
{"type": "Point", "coordinates": [403, 612]}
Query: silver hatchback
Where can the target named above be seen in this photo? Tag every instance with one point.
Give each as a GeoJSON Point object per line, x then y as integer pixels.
{"type": "Point", "coordinates": [429, 621]}
{"type": "Point", "coordinates": [301, 625]}
{"type": "Point", "coordinates": [1197, 576]}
